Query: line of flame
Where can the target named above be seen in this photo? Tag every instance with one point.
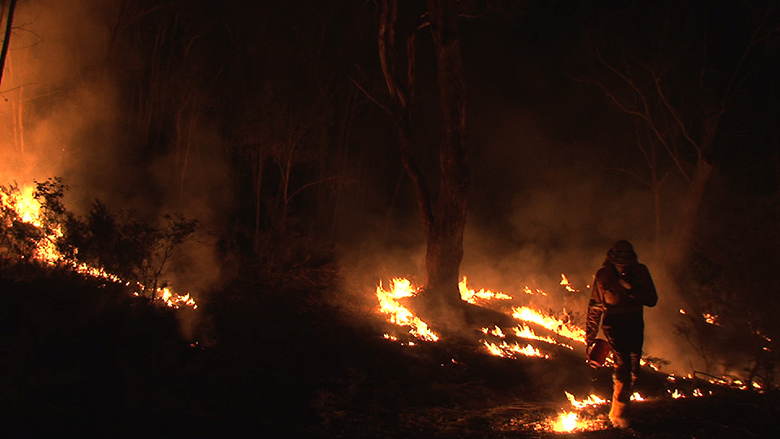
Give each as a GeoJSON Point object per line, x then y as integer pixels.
{"type": "Point", "coordinates": [29, 211]}
{"type": "Point", "coordinates": [397, 313]}
{"type": "Point", "coordinates": [553, 324]}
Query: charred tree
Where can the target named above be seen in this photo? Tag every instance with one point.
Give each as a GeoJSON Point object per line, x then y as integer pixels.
{"type": "Point", "coordinates": [445, 238]}
{"type": "Point", "coordinates": [444, 222]}
{"type": "Point", "coordinates": [6, 37]}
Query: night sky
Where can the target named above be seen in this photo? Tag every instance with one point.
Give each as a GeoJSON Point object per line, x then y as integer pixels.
{"type": "Point", "coordinates": [170, 105]}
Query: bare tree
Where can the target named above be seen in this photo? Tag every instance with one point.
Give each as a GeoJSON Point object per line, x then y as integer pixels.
{"type": "Point", "coordinates": [443, 222]}
{"type": "Point", "coordinates": [6, 36]}
{"type": "Point", "coordinates": [679, 100]}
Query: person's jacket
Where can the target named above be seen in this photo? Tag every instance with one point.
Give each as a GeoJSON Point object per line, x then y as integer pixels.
{"type": "Point", "coordinates": [609, 296]}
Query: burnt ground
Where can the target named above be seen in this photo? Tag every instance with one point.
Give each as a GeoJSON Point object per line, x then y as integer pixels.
{"type": "Point", "coordinates": [274, 359]}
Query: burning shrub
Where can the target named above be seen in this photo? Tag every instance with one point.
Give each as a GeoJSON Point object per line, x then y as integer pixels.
{"type": "Point", "coordinates": [19, 236]}
{"type": "Point", "coordinates": [37, 225]}
{"type": "Point", "coordinates": [127, 245]}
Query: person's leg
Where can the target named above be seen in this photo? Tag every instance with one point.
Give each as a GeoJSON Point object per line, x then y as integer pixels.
{"type": "Point", "coordinates": [621, 389]}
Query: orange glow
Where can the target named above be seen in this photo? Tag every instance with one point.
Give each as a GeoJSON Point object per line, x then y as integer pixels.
{"type": "Point", "coordinates": [712, 319]}
{"type": "Point", "coordinates": [566, 421]}
{"type": "Point", "coordinates": [565, 282]}
{"type": "Point", "coordinates": [398, 314]}
{"type": "Point", "coordinates": [553, 324]}
{"type": "Point", "coordinates": [590, 401]}
{"type": "Point", "coordinates": [28, 210]}
{"type": "Point", "coordinates": [473, 297]}
{"type": "Point", "coordinates": [524, 331]}
{"type": "Point", "coordinates": [508, 350]}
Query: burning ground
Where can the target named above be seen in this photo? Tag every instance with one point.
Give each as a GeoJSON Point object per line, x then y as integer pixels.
{"type": "Point", "coordinates": [275, 354]}
{"type": "Point", "coordinates": [82, 354]}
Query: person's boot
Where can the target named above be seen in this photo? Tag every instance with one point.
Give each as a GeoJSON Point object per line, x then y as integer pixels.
{"type": "Point", "coordinates": [618, 412]}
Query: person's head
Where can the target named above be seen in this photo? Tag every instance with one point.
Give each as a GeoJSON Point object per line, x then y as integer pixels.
{"type": "Point", "coordinates": [621, 254]}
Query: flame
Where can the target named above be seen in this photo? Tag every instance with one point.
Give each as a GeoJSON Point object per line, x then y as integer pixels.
{"type": "Point", "coordinates": [524, 331]}
{"type": "Point", "coordinates": [397, 313]}
{"type": "Point", "coordinates": [528, 290]}
{"type": "Point", "coordinates": [174, 300]}
{"type": "Point", "coordinates": [712, 319]}
{"type": "Point", "coordinates": [496, 331]}
{"type": "Point", "coordinates": [590, 401]}
{"type": "Point", "coordinates": [508, 350]}
{"type": "Point", "coordinates": [565, 282]}
{"type": "Point", "coordinates": [28, 209]}
{"type": "Point", "coordinates": [566, 421]}
{"type": "Point", "coordinates": [472, 296]}
{"type": "Point", "coordinates": [564, 329]}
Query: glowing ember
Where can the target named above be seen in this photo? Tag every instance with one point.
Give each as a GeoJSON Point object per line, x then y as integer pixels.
{"type": "Point", "coordinates": [637, 397]}
{"type": "Point", "coordinates": [553, 324]}
{"type": "Point", "coordinates": [565, 282]}
{"type": "Point", "coordinates": [397, 313]}
{"type": "Point", "coordinates": [711, 319]}
{"type": "Point", "coordinates": [566, 422]}
{"type": "Point", "coordinates": [472, 296]}
{"type": "Point", "coordinates": [528, 290]}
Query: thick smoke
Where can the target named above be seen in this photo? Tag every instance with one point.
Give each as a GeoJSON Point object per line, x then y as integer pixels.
{"type": "Point", "coordinates": [543, 204]}
{"type": "Point", "coordinates": [62, 116]}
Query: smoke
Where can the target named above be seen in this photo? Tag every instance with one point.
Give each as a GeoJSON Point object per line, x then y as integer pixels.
{"type": "Point", "coordinates": [62, 115]}
{"type": "Point", "coordinates": [543, 204]}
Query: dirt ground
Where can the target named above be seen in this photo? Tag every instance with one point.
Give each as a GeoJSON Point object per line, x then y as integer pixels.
{"type": "Point", "coordinates": [83, 357]}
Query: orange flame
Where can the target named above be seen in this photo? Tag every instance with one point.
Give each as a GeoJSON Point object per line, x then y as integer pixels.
{"type": "Point", "coordinates": [590, 401]}
{"type": "Point", "coordinates": [507, 350]}
{"type": "Point", "coordinates": [473, 297]}
{"type": "Point", "coordinates": [28, 209]}
{"type": "Point", "coordinates": [565, 282]}
{"type": "Point", "coordinates": [397, 313]}
{"type": "Point", "coordinates": [564, 329]}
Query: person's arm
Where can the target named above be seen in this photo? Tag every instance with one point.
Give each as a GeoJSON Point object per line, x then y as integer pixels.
{"type": "Point", "coordinates": [640, 286]}
{"type": "Point", "coordinates": [595, 311]}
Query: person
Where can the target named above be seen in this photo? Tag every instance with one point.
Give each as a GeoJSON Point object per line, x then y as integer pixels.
{"type": "Point", "coordinates": [621, 289]}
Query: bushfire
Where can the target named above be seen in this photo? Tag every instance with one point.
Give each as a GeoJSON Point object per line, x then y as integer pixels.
{"type": "Point", "coordinates": [27, 210]}
{"type": "Point", "coordinates": [558, 332]}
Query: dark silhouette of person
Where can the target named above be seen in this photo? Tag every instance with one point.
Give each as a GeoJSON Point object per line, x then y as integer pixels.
{"type": "Point", "coordinates": [621, 290]}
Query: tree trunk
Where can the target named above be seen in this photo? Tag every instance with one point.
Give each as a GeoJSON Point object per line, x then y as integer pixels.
{"type": "Point", "coordinates": [444, 224]}
{"type": "Point", "coordinates": [445, 238]}
{"type": "Point", "coordinates": [7, 37]}
{"type": "Point", "coordinates": [683, 235]}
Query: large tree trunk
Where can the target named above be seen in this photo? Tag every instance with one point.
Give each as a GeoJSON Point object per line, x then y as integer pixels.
{"type": "Point", "coordinates": [445, 238]}
{"type": "Point", "coordinates": [443, 224]}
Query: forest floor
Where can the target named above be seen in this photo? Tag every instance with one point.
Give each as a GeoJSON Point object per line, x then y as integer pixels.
{"type": "Point", "coordinates": [273, 358]}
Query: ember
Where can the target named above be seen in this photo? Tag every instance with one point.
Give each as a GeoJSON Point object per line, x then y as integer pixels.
{"type": "Point", "coordinates": [566, 284]}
